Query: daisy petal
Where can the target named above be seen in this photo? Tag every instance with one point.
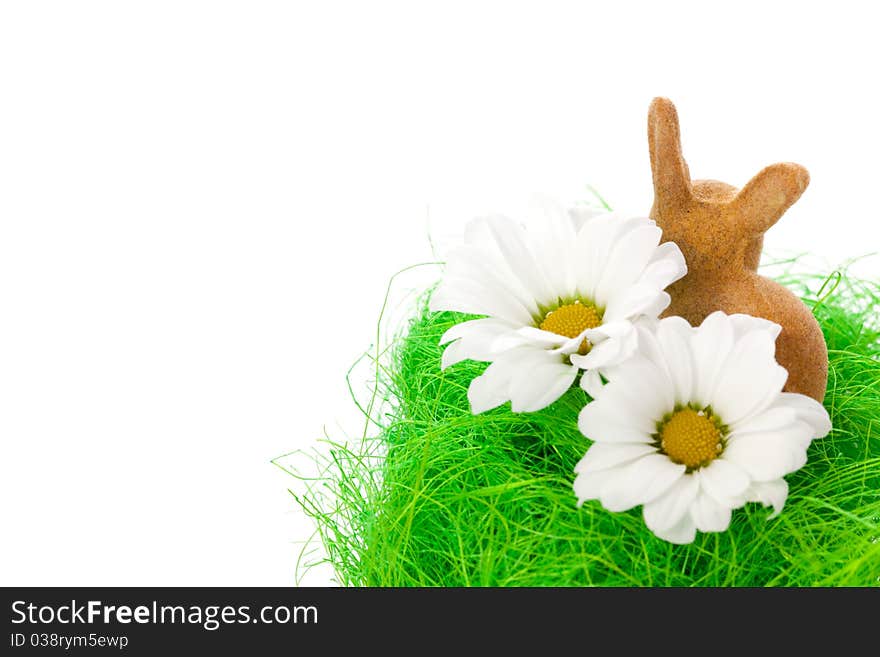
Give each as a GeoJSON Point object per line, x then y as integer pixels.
{"type": "Point", "coordinates": [603, 354]}
{"type": "Point", "coordinates": [627, 261]}
{"type": "Point", "coordinates": [770, 455]}
{"type": "Point", "coordinates": [673, 336]}
{"type": "Point", "coordinates": [682, 533]}
{"type": "Point", "coordinates": [487, 268]}
{"type": "Point", "coordinates": [580, 215]}
{"type": "Point", "coordinates": [666, 266]}
{"type": "Point", "coordinates": [640, 482]}
{"type": "Point", "coordinates": [488, 391]}
{"type": "Point", "coordinates": [592, 384]}
{"type": "Point", "coordinates": [645, 391]}
{"type": "Point", "coordinates": [472, 340]}
{"type": "Point", "coordinates": [616, 329]}
{"type": "Point", "coordinates": [634, 301]}
{"type": "Point", "coordinates": [724, 481]}
{"type": "Point", "coordinates": [513, 246]}
{"type": "Point", "coordinates": [769, 493]}
{"type": "Point", "coordinates": [710, 345]}
{"type": "Point", "coordinates": [649, 345]}
{"type": "Point", "coordinates": [537, 387]}
{"type": "Point", "coordinates": [454, 353]}
{"type": "Point", "coordinates": [528, 335]}
{"type": "Point", "coordinates": [571, 345]}
{"type": "Point", "coordinates": [743, 324]}
{"type": "Point", "coordinates": [476, 298]}
{"type": "Point", "coordinates": [600, 423]}
{"type": "Point", "coordinates": [475, 326]}
{"type": "Point", "coordinates": [750, 380]}
{"type": "Point", "coordinates": [668, 509]}
{"type": "Point", "coordinates": [492, 388]}
{"type": "Point", "coordinates": [770, 420]}
{"type": "Point", "coordinates": [592, 247]}
{"type": "Point", "coordinates": [616, 404]}
{"type": "Point", "coordinates": [709, 515]}
{"type": "Point", "coordinates": [602, 456]}
{"type": "Point", "coordinates": [588, 485]}
{"type": "Point", "coordinates": [809, 411]}
{"type": "Point", "coordinates": [621, 340]}
{"type": "Point", "coordinates": [554, 244]}
{"type": "Point", "coordinates": [656, 307]}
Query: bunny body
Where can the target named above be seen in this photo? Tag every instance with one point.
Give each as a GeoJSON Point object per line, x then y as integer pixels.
{"type": "Point", "coordinates": [720, 231]}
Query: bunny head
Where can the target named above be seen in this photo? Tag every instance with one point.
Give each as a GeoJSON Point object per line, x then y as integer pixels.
{"type": "Point", "coordinates": [714, 223]}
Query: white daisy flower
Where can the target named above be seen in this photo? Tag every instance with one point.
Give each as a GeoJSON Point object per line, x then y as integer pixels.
{"type": "Point", "coordinates": [696, 425]}
{"type": "Point", "coordinates": [558, 297]}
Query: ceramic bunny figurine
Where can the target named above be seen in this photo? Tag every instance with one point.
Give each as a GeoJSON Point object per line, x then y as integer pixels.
{"type": "Point", "coordinates": [720, 230]}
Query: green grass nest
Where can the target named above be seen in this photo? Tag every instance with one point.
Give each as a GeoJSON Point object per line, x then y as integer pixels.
{"type": "Point", "coordinates": [439, 497]}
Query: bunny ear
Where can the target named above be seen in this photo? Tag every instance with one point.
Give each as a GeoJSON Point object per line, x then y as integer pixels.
{"type": "Point", "coordinates": [767, 196]}
{"type": "Point", "coordinates": [672, 180]}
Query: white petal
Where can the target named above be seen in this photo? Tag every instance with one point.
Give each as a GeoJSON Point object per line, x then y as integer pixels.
{"type": "Point", "coordinates": [616, 329]}
{"type": "Point", "coordinates": [602, 456]}
{"type": "Point", "coordinates": [571, 345]}
{"type": "Point", "coordinates": [770, 455]}
{"type": "Point", "coordinates": [774, 418]}
{"type": "Point", "coordinates": [724, 481]}
{"type": "Point", "coordinates": [630, 346]}
{"type": "Point", "coordinates": [492, 388]}
{"type": "Point", "coordinates": [593, 245]}
{"type": "Point", "coordinates": [769, 493]}
{"type": "Point", "coordinates": [588, 485]}
{"type": "Point", "coordinates": [649, 345]}
{"type": "Point", "coordinates": [667, 265]}
{"type": "Point", "coordinates": [488, 391]}
{"type": "Point", "coordinates": [682, 533]}
{"type": "Point", "coordinates": [621, 342]}
{"type": "Point", "coordinates": [634, 301]}
{"type": "Point", "coordinates": [580, 215]}
{"type": "Point", "coordinates": [668, 509]}
{"type": "Point", "coordinates": [658, 305]}
{"type": "Point", "coordinates": [512, 243]}
{"type": "Point", "coordinates": [607, 352]}
{"type": "Point", "coordinates": [468, 295]}
{"type": "Point", "coordinates": [673, 336]}
{"type": "Point", "coordinates": [709, 515]}
{"type": "Point", "coordinates": [554, 243]}
{"type": "Point", "coordinates": [454, 353]}
{"type": "Point", "coordinates": [536, 387]}
{"type": "Point", "coordinates": [809, 411]}
{"type": "Point", "coordinates": [472, 340]}
{"type": "Point", "coordinates": [526, 335]}
{"type": "Point", "coordinates": [591, 382]}
{"type": "Point", "coordinates": [750, 380]}
{"type": "Point", "coordinates": [617, 405]}
{"type": "Point", "coordinates": [711, 343]}
{"type": "Point", "coordinates": [628, 259]}
{"type": "Point", "coordinates": [743, 324]}
{"type": "Point", "coordinates": [645, 392]}
{"type": "Point", "coordinates": [484, 266]}
{"type": "Point", "coordinates": [640, 482]}
{"type": "Point", "coordinates": [598, 422]}
{"type": "Point", "coordinates": [472, 327]}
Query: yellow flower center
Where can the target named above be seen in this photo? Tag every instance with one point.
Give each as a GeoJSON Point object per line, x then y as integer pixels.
{"type": "Point", "coordinates": [691, 437]}
{"type": "Point", "coordinates": [571, 320]}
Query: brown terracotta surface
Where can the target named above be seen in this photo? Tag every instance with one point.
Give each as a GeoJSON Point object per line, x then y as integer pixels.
{"type": "Point", "coordinates": [720, 230]}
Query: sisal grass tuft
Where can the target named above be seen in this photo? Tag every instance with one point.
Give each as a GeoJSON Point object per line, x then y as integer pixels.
{"type": "Point", "coordinates": [440, 497]}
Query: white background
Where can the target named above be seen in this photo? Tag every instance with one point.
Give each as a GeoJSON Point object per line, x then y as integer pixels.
{"type": "Point", "coordinates": [201, 204]}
